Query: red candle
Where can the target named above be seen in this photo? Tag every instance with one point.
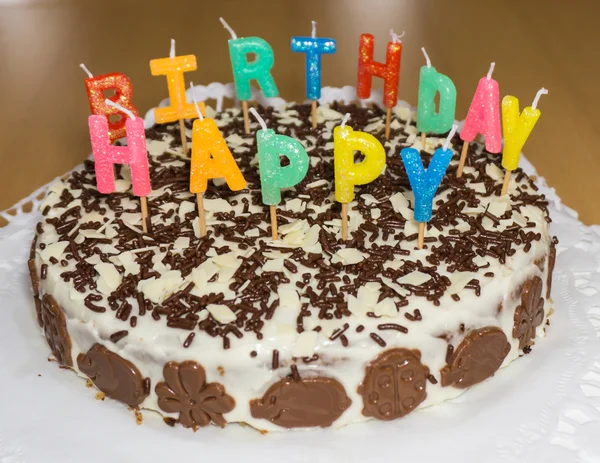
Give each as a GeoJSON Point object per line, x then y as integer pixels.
{"type": "Point", "coordinates": [388, 71]}
{"type": "Point", "coordinates": [123, 93]}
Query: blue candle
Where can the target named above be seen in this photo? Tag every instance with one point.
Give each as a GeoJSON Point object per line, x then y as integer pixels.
{"type": "Point", "coordinates": [314, 47]}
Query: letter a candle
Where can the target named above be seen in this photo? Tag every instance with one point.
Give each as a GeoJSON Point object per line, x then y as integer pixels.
{"type": "Point", "coordinates": [430, 83]}
{"type": "Point", "coordinates": [211, 158]}
{"type": "Point", "coordinates": [173, 67]}
{"type": "Point", "coordinates": [517, 128]}
{"type": "Point", "coordinates": [244, 70]}
{"type": "Point", "coordinates": [313, 47]}
{"type": "Point", "coordinates": [388, 71]}
{"type": "Point", "coordinates": [483, 117]}
{"type": "Point", "coordinates": [134, 154]}
{"type": "Point", "coordinates": [274, 176]}
{"type": "Point", "coordinates": [425, 183]}
{"type": "Point", "coordinates": [347, 172]}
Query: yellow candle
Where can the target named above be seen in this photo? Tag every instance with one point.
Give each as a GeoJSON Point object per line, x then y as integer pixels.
{"type": "Point", "coordinates": [347, 173]}
{"type": "Point", "coordinates": [517, 127]}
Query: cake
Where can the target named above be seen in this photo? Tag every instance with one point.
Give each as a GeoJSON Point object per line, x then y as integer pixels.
{"type": "Point", "coordinates": [307, 331]}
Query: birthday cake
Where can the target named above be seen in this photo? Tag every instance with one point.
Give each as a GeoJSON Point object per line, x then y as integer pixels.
{"type": "Point", "coordinates": [308, 330]}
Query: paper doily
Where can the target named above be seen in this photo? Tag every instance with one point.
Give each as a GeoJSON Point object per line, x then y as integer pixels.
{"type": "Point", "coordinates": [545, 407]}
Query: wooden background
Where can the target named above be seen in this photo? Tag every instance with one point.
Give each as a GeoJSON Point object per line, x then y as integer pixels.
{"type": "Point", "coordinates": [551, 43]}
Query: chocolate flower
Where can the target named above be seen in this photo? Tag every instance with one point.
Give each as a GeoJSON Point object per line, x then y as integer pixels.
{"type": "Point", "coordinates": [551, 262]}
{"type": "Point", "coordinates": [530, 314]}
{"type": "Point", "coordinates": [55, 329]}
{"type": "Point", "coordinates": [185, 391]}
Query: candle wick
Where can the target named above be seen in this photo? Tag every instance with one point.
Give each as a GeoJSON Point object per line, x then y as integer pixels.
{"type": "Point", "coordinates": [314, 29]}
{"type": "Point", "coordinates": [200, 116]}
{"type": "Point", "coordinates": [228, 27]}
{"type": "Point", "coordinates": [491, 71]}
{"type": "Point", "coordinates": [120, 108]}
{"type": "Point", "coordinates": [536, 100]}
{"type": "Point", "coordinates": [427, 60]}
{"type": "Point", "coordinates": [86, 70]}
{"type": "Point", "coordinates": [260, 120]}
{"type": "Point", "coordinates": [172, 52]}
{"type": "Point", "coordinates": [450, 135]}
{"type": "Point", "coordinates": [344, 120]}
{"type": "Point", "coordinates": [396, 37]}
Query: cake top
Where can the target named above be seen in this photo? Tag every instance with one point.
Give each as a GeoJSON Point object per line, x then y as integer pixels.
{"type": "Point", "coordinates": [238, 286]}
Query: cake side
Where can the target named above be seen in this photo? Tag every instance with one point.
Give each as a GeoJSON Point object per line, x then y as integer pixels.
{"type": "Point", "coordinates": [307, 331]}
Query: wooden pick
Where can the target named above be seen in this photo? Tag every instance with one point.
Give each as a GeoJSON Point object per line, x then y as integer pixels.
{"type": "Point", "coordinates": [201, 213]}
{"type": "Point", "coordinates": [421, 238]}
{"type": "Point", "coordinates": [246, 118]}
{"type": "Point", "coordinates": [274, 230]}
{"type": "Point", "coordinates": [463, 159]}
{"type": "Point", "coordinates": [144, 204]}
{"type": "Point", "coordinates": [184, 145]}
{"type": "Point", "coordinates": [314, 114]}
{"type": "Point", "coordinates": [345, 221]}
{"type": "Point", "coordinates": [506, 182]}
{"type": "Point", "coordinates": [388, 120]}
{"type": "Point", "coordinates": [423, 139]}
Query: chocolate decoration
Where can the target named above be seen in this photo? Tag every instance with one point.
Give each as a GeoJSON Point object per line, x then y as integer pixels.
{"type": "Point", "coordinates": [530, 314]}
{"type": "Point", "coordinates": [38, 310]}
{"type": "Point", "coordinates": [118, 378]}
{"type": "Point", "coordinates": [551, 262]}
{"type": "Point", "coordinates": [55, 329]}
{"type": "Point", "coordinates": [302, 403]}
{"type": "Point", "coordinates": [186, 392]}
{"type": "Point", "coordinates": [477, 357]}
{"type": "Point", "coordinates": [35, 281]}
{"type": "Point", "coordinates": [394, 384]}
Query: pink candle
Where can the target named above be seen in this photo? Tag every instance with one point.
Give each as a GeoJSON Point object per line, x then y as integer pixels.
{"type": "Point", "coordinates": [106, 155]}
{"type": "Point", "coordinates": [484, 114]}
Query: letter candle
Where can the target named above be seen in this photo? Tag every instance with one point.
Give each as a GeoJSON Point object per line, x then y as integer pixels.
{"type": "Point", "coordinates": [430, 83]}
{"type": "Point", "coordinates": [134, 154]}
{"type": "Point", "coordinates": [388, 71]}
{"type": "Point", "coordinates": [211, 158]}
{"type": "Point", "coordinates": [244, 70]}
{"type": "Point", "coordinates": [173, 68]}
{"type": "Point", "coordinates": [273, 176]}
{"type": "Point", "coordinates": [95, 87]}
{"type": "Point", "coordinates": [313, 47]}
{"type": "Point", "coordinates": [483, 117]}
{"type": "Point", "coordinates": [517, 128]}
{"type": "Point", "coordinates": [425, 183]}
{"type": "Point", "coordinates": [348, 174]}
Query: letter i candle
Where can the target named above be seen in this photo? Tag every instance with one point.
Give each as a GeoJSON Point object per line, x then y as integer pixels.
{"type": "Point", "coordinates": [388, 71]}
{"type": "Point", "coordinates": [425, 183]}
{"type": "Point", "coordinates": [211, 158]}
{"type": "Point", "coordinates": [313, 47]}
{"type": "Point", "coordinates": [244, 70]}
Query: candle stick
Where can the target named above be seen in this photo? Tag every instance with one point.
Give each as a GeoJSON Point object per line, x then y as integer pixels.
{"type": "Point", "coordinates": [134, 154]}
{"type": "Point", "coordinates": [313, 47]}
{"type": "Point", "coordinates": [347, 173]}
{"type": "Point", "coordinates": [388, 71]}
{"type": "Point", "coordinates": [425, 183]}
{"type": "Point", "coordinates": [211, 158]}
{"type": "Point", "coordinates": [517, 128]}
{"type": "Point", "coordinates": [273, 176]}
{"type": "Point", "coordinates": [244, 71]}
{"type": "Point", "coordinates": [173, 68]}
{"type": "Point", "coordinates": [483, 117]}
{"type": "Point", "coordinates": [123, 93]}
{"type": "Point", "coordinates": [430, 83]}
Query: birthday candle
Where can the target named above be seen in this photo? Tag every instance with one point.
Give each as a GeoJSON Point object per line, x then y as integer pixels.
{"type": "Point", "coordinates": [258, 69]}
{"type": "Point", "coordinates": [173, 68]}
{"type": "Point", "coordinates": [430, 83]}
{"type": "Point", "coordinates": [106, 155]}
{"type": "Point", "coordinates": [425, 183]}
{"type": "Point", "coordinates": [347, 173]}
{"type": "Point", "coordinates": [517, 127]}
{"type": "Point", "coordinates": [123, 93]}
{"type": "Point", "coordinates": [484, 114]}
{"type": "Point", "coordinates": [314, 47]}
{"type": "Point", "coordinates": [388, 71]}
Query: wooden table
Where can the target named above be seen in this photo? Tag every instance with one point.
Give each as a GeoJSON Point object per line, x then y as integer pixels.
{"type": "Point", "coordinates": [551, 43]}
